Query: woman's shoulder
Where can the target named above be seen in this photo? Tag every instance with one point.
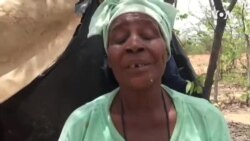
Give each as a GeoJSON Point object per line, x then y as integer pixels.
{"type": "Point", "coordinates": [201, 115]}
{"type": "Point", "coordinates": [99, 102]}
{"type": "Point", "coordinates": [198, 104]}
{"type": "Point", "coordinates": [206, 116]}
{"type": "Point", "coordinates": [203, 106]}
{"type": "Point", "coordinates": [81, 118]}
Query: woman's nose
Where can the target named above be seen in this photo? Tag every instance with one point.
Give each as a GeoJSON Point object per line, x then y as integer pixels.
{"type": "Point", "coordinates": [135, 45]}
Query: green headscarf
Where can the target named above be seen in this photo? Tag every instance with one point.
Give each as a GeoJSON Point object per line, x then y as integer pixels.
{"type": "Point", "coordinates": [108, 10]}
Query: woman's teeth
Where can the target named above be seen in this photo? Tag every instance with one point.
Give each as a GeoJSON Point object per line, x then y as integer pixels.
{"type": "Point", "coordinates": [136, 65]}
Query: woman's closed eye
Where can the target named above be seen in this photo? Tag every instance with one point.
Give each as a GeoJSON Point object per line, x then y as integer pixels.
{"type": "Point", "coordinates": [147, 37]}
{"type": "Point", "coordinates": [119, 38]}
{"type": "Point", "coordinates": [149, 34]}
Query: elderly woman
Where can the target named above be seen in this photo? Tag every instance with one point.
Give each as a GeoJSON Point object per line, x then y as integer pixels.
{"type": "Point", "coordinates": [137, 36]}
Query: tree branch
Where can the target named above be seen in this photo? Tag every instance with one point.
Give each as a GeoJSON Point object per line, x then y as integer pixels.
{"type": "Point", "coordinates": [170, 1]}
{"type": "Point", "coordinates": [211, 5]}
{"type": "Point", "coordinates": [231, 6]}
{"type": "Point", "coordinates": [243, 18]}
{"type": "Point", "coordinates": [218, 5]}
{"type": "Point", "coordinates": [175, 3]}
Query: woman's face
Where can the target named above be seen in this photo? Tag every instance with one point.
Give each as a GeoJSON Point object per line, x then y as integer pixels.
{"type": "Point", "coordinates": [136, 51]}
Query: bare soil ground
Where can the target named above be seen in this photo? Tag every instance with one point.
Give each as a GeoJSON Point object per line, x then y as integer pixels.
{"type": "Point", "coordinates": [239, 122]}
{"type": "Point", "coordinates": [237, 114]}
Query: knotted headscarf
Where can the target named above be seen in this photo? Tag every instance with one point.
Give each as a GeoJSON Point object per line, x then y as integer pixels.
{"type": "Point", "coordinates": [162, 12]}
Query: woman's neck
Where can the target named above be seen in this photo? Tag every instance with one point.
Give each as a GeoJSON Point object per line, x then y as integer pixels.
{"type": "Point", "coordinates": [141, 101]}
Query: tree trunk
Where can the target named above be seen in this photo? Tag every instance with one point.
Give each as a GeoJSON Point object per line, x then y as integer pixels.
{"type": "Point", "coordinates": [218, 33]}
{"type": "Point", "coordinates": [218, 76]}
{"type": "Point", "coordinates": [248, 60]}
{"type": "Point", "coordinates": [216, 83]}
{"type": "Point", "coordinates": [217, 79]}
{"type": "Point", "coordinates": [247, 46]}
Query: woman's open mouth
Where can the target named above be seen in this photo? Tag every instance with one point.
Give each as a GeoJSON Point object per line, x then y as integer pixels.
{"type": "Point", "coordinates": [133, 66]}
{"type": "Point", "coordinates": [138, 67]}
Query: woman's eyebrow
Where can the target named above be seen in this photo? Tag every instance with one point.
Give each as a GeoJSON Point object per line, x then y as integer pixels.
{"type": "Point", "coordinates": [116, 26]}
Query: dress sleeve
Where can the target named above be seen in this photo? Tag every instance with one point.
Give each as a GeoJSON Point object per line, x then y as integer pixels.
{"type": "Point", "coordinates": [217, 126]}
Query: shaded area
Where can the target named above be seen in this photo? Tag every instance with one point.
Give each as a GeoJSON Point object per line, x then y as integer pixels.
{"type": "Point", "coordinates": [39, 111]}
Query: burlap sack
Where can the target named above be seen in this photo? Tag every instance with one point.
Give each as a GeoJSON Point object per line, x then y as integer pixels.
{"type": "Point", "coordinates": [32, 35]}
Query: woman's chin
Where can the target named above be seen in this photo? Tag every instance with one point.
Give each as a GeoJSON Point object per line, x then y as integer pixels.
{"type": "Point", "coordinates": [140, 84]}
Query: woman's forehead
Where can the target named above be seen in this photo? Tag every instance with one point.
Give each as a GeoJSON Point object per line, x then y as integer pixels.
{"type": "Point", "coordinates": [131, 17]}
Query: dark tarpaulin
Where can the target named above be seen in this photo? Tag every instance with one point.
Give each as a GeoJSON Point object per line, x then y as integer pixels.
{"type": "Point", "coordinates": [38, 111]}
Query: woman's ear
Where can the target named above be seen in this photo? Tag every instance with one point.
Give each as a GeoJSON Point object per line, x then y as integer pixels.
{"type": "Point", "coordinates": [165, 56]}
{"type": "Point", "coordinates": [108, 62]}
